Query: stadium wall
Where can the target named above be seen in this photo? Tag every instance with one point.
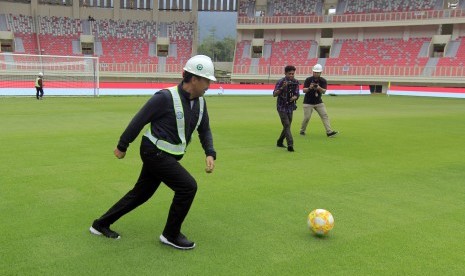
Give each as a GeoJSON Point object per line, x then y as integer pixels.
{"type": "Point", "coordinates": [26, 89]}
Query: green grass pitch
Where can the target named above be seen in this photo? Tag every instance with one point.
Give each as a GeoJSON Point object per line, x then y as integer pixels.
{"type": "Point", "coordinates": [393, 180]}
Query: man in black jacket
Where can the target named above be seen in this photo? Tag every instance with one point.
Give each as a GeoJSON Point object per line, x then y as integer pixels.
{"type": "Point", "coordinates": [174, 114]}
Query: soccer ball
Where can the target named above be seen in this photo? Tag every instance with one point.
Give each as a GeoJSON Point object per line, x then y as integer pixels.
{"type": "Point", "coordinates": [320, 221]}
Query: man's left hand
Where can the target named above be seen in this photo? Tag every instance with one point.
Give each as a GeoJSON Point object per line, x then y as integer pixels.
{"type": "Point", "coordinates": [210, 162]}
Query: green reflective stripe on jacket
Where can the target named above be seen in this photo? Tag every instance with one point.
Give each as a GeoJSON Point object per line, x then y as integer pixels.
{"type": "Point", "coordinates": [176, 149]}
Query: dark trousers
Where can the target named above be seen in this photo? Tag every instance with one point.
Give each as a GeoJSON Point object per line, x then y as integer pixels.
{"type": "Point", "coordinates": [158, 167]}
{"type": "Point", "coordinates": [286, 121]}
{"type": "Point", "coordinates": [39, 92]}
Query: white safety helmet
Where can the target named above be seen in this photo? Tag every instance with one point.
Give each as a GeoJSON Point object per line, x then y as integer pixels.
{"type": "Point", "coordinates": [41, 74]}
{"type": "Point", "coordinates": [318, 68]}
{"type": "Point", "coordinates": [202, 66]}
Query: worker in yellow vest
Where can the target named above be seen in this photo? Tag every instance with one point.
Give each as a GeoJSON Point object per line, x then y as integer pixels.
{"type": "Point", "coordinates": [39, 84]}
{"type": "Point", "coordinates": [173, 114]}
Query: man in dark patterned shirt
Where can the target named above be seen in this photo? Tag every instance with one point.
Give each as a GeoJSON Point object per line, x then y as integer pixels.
{"type": "Point", "coordinates": [287, 92]}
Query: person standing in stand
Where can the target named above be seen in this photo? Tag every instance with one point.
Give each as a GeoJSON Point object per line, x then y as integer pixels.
{"type": "Point", "coordinates": [314, 87]}
{"type": "Point", "coordinates": [173, 114]}
{"type": "Point", "coordinates": [287, 92]}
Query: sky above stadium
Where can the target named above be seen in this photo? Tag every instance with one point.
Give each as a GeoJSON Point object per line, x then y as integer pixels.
{"type": "Point", "coordinates": [224, 22]}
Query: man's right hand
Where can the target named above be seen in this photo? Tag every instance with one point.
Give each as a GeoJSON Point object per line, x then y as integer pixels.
{"type": "Point", "coordinates": [119, 154]}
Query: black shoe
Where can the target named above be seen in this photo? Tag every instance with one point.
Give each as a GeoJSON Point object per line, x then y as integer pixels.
{"type": "Point", "coordinates": [181, 242]}
{"type": "Point", "coordinates": [290, 148]}
{"type": "Point", "coordinates": [302, 133]}
{"type": "Point", "coordinates": [332, 134]}
{"type": "Point", "coordinates": [280, 145]}
{"type": "Point", "coordinates": [99, 230]}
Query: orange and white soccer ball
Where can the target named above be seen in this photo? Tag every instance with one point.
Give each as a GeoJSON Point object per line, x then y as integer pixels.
{"type": "Point", "coordinates": [320, 221]}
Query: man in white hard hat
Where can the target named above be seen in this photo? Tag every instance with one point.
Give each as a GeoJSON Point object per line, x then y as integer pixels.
{"type": "Point", "coordinates": [173, 114]}
{"type": "Point", "coordinates": [39, 85]}
{"type": "Point", "coordinates": [314, 87]}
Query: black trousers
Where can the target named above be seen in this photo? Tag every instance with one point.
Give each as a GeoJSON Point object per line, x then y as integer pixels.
{"type": "Point", "coordinates": [39, 92]}
{"type": "Point", "coordinates": [158, 167]}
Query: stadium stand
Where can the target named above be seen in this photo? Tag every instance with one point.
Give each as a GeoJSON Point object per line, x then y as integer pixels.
{"type": "Point", "coordinates": [57, 35]}
{"type": "Point", "coordinates": [246, 8]}
{"type": "Point", "coordinates": [363, 6]}
{"type": "Point", "coordinates": [124, 29]}
{"type": "Point", "coordinates": [380, 52]}
{"type": "Point", "coordinates": [352, 54]}
{"type": "Point", "coordinates": [59, 26]}
{"type": "Point", "coordinates": [295, 52]}
{"type": "Point", "coordinates": [116, 41]}
{"type": "Point", "coordinates": [363, 38]}
{"type": "Point", "coordinates": [19, 24]}
{"type": "Point", "coordinates": [293, 8]}
{"type": "Point", "coordinates": [242, 58]}
{"type": "Point", "coordinates": [445, 65]}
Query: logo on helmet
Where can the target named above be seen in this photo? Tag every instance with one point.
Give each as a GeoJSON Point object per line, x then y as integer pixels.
{"type": "Point", "coordinates": [199, 67]}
